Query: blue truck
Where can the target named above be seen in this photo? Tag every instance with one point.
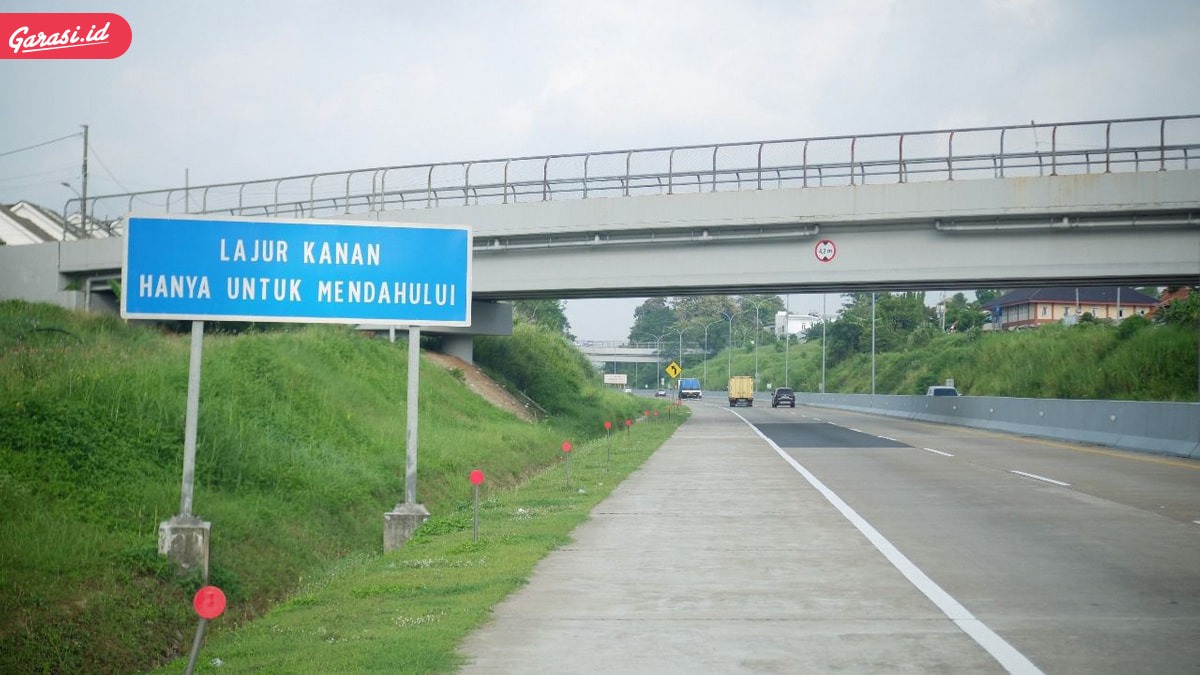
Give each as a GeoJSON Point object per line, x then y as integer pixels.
{"type": "Point", "coordinates": [689, 387]}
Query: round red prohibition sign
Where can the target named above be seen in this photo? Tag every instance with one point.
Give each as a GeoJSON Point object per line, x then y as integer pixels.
{"type": "Point", "coordinates": [825, 250]}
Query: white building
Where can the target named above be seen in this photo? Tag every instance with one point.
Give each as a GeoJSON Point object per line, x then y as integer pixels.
{"type": "Point", "coordinates": [28, 223]}
{"type": "Point", "coordinates": [795, 324]}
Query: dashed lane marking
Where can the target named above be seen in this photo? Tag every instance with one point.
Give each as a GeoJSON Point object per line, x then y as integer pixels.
{"type": "Point", "coordinates": [1041, 478]}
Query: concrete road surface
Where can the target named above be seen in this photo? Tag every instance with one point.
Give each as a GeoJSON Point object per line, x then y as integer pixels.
{"type": "Point", "coordinates": [847, 544]}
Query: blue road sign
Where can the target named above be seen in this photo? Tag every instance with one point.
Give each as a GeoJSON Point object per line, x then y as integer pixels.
{"type": "Point", "coordinates": [302, 271]}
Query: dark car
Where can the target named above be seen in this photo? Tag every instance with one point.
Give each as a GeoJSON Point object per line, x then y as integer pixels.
{"type": "Point", "coordinates": [783, 396]}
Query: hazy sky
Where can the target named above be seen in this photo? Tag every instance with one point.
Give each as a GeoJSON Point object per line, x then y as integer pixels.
{"type": "Point", "coordinates": [244, 90]}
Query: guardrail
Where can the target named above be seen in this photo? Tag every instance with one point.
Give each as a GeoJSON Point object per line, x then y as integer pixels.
{"type": "Point", "coordinates": [1142, 426]}
{"type": "Point", "coordinates": [1099, 146]}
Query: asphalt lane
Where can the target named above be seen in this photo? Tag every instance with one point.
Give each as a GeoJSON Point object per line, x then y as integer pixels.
{"type": "Point", "coordinates": [1085, 559]}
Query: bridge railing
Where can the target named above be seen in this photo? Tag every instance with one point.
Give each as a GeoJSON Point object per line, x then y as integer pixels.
{"type": "Point", "coordinates": [1064, 148]}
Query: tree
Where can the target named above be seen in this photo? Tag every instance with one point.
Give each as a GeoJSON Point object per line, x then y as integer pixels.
{"type": "Point", "coordinates": [1183, 311]}
{"type": "Point", "coordinates": [963, 315]}
{"type": "Point", "coordinates": [653, 317]}
{"type": "Point", "coordinates": [984, 295]}
{"type": "Point", "coordinates": [546, 313]}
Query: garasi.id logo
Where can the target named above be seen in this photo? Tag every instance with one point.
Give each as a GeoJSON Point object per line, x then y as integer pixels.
{"type": "Point", "coordinates": [74, 35]}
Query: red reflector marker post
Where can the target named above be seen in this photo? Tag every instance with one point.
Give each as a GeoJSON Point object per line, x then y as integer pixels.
{"type": "Point", "coordinates": [608, 439]}
{"type": "Point", "coordinates": [476, 481]}
{"type": "Point", "coordinates": [209, 603]}
{"type": "Point", "coordinates": [566, 448]}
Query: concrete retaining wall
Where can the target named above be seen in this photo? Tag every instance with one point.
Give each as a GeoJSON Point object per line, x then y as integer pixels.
{"type": "Point", "coordinates": [1158, 428]}
{"type": "Point", "coordinates": [30, 272]}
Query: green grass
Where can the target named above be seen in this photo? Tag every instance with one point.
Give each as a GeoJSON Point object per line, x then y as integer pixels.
{"type": "Point", "coordinates": [409, 610]}
{"type": "Point", "coordinates": [1155, 363]}
{"type": "Point", "coordinates": [300, 451]}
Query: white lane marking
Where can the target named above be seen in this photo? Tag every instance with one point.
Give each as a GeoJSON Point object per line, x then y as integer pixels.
{"type": "Point", "coordinates": [938, 452]}
{"type": "Point", "coordinates": [1041, 478]}
{"type": "Point", "coordinates": [889, 438]}
{"type": "Point", "coordinates": [1005, 654]}
{"type": "Point", "coordinates": [1196, 522]}
{"type": "Point", "coordinates": [854, 430]}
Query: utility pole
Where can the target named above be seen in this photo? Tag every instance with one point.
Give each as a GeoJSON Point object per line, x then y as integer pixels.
{"type": "Point", "coordinates": [83, 193]}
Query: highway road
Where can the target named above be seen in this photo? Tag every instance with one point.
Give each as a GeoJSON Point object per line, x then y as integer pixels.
{"type": "Point", "coordinates": [1086, 560]}
{"type": "Point", "coordinates": [826, 541]}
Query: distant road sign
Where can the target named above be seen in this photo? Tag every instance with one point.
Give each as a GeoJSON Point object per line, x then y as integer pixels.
{"type": "Point", "coordinates": [299, 271]}
{"type": "Point", "coordinates": [674, 370]}
{"type": "Point", "coordinates": [616, 378]}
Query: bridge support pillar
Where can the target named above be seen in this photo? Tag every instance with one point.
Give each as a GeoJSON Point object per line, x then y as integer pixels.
{"type": "Point", "coordinates": [462, 346]}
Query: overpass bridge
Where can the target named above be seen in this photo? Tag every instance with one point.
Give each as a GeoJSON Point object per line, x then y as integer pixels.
{"type": "Point", "coordinates": [1072, 203]}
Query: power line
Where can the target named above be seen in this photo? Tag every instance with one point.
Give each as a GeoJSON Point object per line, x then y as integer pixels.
{"type": "Point", "coordinates": [107, 170]}
{"type": "Point", "coordinates": [113, 177]}
{"type": "Point", "coordinates": [38, 145]}
{"type": "Point", "coordinates": [56, 172]}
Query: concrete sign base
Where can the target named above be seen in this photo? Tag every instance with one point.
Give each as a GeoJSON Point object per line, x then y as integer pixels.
{"type": "Point", "coordinates": [400, 523]}
{"type": "Point", "coordinates": [185, 540]}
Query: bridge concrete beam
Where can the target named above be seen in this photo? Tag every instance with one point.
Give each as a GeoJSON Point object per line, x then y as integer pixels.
{"type": "Point", "coordinates": [1086, 229]}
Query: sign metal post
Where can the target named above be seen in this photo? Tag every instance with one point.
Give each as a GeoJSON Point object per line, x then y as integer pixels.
{"type": "Point", "coordinates": [476, 481]}
{"type": "Point", "coordinates": [608, 439]}
{"type": "Point", "coordinates": [209, 603]}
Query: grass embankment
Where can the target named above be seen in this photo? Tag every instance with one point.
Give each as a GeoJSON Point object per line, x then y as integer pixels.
{"type": "Point", "coordinates": [300, 451]}
{"type": "Point", "coordinates": [407, 611]}
{"type": "Point", "coordinates": [1153, 363]}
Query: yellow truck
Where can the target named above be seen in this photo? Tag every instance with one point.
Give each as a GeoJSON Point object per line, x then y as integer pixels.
{"type": "Point", "coordinates": [741, 390]}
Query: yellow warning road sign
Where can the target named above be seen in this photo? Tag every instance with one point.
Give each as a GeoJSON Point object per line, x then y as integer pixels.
{"type": "Point", "coordinates": [674, 370]}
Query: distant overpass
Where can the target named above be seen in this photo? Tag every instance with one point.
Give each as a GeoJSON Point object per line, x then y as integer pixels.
{"type": "Point", "coordinates": [609, 352]}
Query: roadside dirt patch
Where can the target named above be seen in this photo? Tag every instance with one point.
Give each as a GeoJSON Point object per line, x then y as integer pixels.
{"type": "Point", "coordinates": [478, 382]}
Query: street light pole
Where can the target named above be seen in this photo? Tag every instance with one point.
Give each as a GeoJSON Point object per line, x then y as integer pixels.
{"type": "Point", "coordinates": [787, 337]}
{"type": "Point", "coordinates": [83, 197]}
{"type": "Point", "coordinates": [872, 343]}
{"type": "Point", "coordinates": [705, 384]}
{"type": "Point", "coordinates": [680, 348]}
{"type": "Point", "coordinates": [729, 347]}
{"type": "Point", "coordinates": [757, 335]}
{"type": "Point", "coordinates": [657, 360]}
{"type": "Point", "coordinates": [823, 342]}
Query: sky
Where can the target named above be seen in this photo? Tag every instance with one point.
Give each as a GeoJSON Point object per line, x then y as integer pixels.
{"type": "Point", "coordinates": [225, 91]}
